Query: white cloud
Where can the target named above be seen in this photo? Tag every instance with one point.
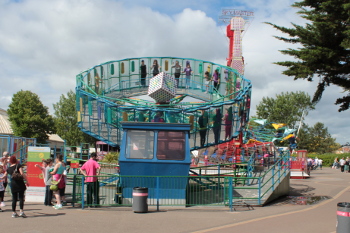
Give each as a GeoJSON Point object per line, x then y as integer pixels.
{"type": "Point", "coordinates": [45, 44]}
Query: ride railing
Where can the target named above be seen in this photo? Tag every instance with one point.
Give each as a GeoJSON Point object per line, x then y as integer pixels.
{"type": "Point", "coordinates": [203, 191]}
{"type": "Point", "coordinates": [274, 175]}
{"type": "Point", "coordinates": [107, 95]}
{"type": "Point", "coordinates": [17, 146]}
{"type": "Point", "coordinates": [118, 76]}
{"type": "Point", "coordinates": [235, 169]}
{"type": "Point", "coordinates": [197, 89]}
{"type": "Point", "coordinates": [228, 190]}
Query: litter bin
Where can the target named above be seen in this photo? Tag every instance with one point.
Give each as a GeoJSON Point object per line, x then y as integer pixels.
{"type": "Point", "coordinates": [139, 202]}
{"type": "Point", "coordinates": [343, 217]}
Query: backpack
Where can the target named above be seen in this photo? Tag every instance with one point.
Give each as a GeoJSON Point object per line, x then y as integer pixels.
{"type": "Point", "coordinates": [16, 175]}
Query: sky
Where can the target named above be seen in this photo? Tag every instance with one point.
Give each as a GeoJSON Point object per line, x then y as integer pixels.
{"type": "Point", "coordinates": [45, 44]}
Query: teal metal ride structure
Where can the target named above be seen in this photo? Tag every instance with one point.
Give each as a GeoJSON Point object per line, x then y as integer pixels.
{"type": "Point", "coordinates": [110, 93]}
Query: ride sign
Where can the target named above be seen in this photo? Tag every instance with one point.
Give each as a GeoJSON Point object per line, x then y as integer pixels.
{"type": "Point", "coordinates": [35, 156]}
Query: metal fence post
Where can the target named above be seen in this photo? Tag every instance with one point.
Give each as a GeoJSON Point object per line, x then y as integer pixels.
{"type": "Point", "coordinates": [230, 193]}
{"type": "Point", "coordinates": [157, 191]}
{"type": "Point", "coordinates": [273, 178]}
{"type": "Point", "coordinates": [74, 190]}
{"type": "Point", "coordinates": [82, 192]}
{"type": "Point", "coordinates": [259, 191]}
{"type": "Point", "coordinates": [279, 173]}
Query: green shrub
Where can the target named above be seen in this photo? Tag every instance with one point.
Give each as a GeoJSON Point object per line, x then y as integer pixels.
{"type": "Point", "coordinates": [111, 157]}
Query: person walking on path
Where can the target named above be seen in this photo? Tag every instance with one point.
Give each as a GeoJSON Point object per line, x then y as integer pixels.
{"type": "Point", "coordinates": [18, 187]}
{"type": "Point", "coordinates": [4, 161]}
{"type": "Point", "coordinates": [90, 170]}
{"type": "Point", "coordinates": [342, 164]}
{"type": "Point", "coordinates": [58, 176]}
{"type": "Point", "coordinates": [335, 164]}
{"type": "Point", "coordinates": [320, 163]}
{"type": "Point", "coordinates": [2, 188]}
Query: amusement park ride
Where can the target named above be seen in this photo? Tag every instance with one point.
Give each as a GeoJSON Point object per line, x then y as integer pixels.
{"type": "Point", "coordinates": [160, 121]}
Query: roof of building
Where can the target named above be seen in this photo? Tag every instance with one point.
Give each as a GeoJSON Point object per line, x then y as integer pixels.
{"type": "Point", "coordinates": [5, 125]}
{"type": "Point", "coordinates": [55, 137]}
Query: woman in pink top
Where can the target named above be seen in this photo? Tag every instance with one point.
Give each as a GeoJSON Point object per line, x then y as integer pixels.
{"type": "Point", "coordinates": [188, 71]}
{"type": "Point", "coordinates": [216, 80]}
{"type": "Point", "coordinates": [58, 176]}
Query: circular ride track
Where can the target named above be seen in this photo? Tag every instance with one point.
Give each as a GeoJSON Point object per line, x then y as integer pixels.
{"type": "Point", "coordinates": [112, 92]}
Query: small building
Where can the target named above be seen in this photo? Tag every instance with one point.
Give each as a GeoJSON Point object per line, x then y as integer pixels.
{"type": "Point", "coordinates": [150, 150]}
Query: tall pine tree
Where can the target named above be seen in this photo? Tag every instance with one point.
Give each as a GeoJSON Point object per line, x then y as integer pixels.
{"type": "Point", "coordinates": [325, 51]}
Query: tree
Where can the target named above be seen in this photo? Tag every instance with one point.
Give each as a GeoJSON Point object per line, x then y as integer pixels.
{"type": "Point", "coordinates": [325, 42]}
{"type": "Point", "coordinates": [286, 108]}
{"type": "Point", "coordinates": [316, 139]}
{"type": "Point", "coordinates": [29, 117]}
{"type": "Point", "coordinates": [65, 117]}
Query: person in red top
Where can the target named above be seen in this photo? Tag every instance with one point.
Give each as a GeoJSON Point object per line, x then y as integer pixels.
{"type": "Point", "coordinates": [90, 170]}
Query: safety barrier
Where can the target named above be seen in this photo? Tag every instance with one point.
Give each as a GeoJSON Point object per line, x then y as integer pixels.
{"type": "Point", "coordinates": [17, 146]}
{"type": "Point", "coordinates": [106, 97]}
{"type": "Point", "coordinates": [226, 190]}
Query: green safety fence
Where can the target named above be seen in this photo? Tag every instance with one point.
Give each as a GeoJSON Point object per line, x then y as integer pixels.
{"type": "Point", "coordinates": [226, 190]}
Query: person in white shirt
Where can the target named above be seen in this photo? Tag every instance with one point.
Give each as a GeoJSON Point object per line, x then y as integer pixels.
{"type": "Point", "coordinates": [319, 161]}
{"type": "Point", "coordinates": [342, 163]}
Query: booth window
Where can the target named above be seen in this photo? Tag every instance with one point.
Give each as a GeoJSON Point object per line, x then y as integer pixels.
{"type": "Point", "coordinates": [139, 144]}
{"type": "Point", "coordinates": [171, 145]}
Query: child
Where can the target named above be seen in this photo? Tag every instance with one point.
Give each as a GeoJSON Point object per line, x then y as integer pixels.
{"type": "Point", "coordinates": [206, 81]}
{"type": "Point", "coordinates": [2, 188]}
{"type": "Point", "coordinates": [47, 165]}
{"type": "Point", "coordinates": [4, 161]}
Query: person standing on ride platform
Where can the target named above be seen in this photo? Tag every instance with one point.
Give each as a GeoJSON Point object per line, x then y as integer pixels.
{"type": "Point", "coordinates": [292, 143]}
{"type": "Point", "coordinates": [156, 68]}
{"type": "Point", "coordinates": [203, 123]}
{"type": "Point", "coordinates": [188, 71]}
{"type": "Point", "coordinates": [216, 80]}
{"type": "Point", "coordinates": [228, 123]}
{"type": "Point", "coordinates": [90, 170]}
{"type": "Point", "coordinates": [206, 81]}
{"type": "Point", "coordinates": [177, 72]}
{"type": "Point", "coordinates": [143, 69]}
{"type": "Point", "coordinates": [217, 125]}
{"type": "Point", "coordinates": [158, 117]}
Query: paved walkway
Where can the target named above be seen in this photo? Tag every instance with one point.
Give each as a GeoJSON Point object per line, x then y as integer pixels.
{"type": "Point", "coordinates": [278, 217]}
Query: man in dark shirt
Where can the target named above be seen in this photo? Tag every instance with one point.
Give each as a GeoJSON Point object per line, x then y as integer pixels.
{"type": "Point", "coordinates": [143, 69]}
{"type": "Point", "coordinates": [292, 143]}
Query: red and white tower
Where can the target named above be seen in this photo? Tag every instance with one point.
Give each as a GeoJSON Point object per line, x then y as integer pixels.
{"type": "Point", "coordinates": [239, 21]}
{"type": "Point", "coordinates": [234, 32]}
